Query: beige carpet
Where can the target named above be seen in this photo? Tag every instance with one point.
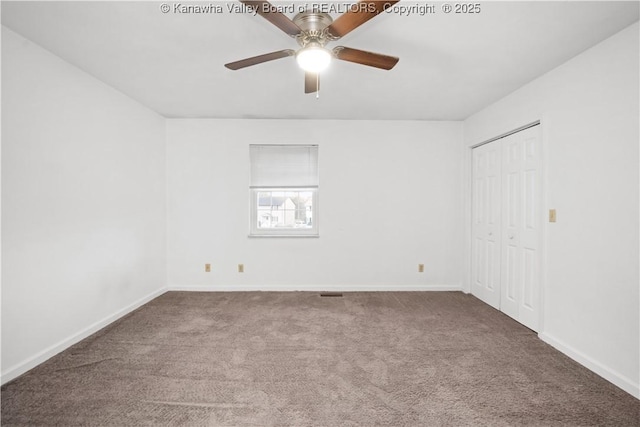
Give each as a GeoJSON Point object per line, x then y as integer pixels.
{"type": "Point", "coordinates": [296, 359]}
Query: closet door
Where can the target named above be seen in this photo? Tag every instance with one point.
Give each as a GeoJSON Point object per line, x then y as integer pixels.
{"type": "Point", "coordinates": [507, 220]}
{"type": "Point", "coordinates": [521, 226]}
{"type": "Point", "coordinates": [485, 262]}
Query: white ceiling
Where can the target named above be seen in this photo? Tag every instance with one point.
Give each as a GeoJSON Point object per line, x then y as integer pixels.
{"type": "Point", "coordinates": [451, 65]}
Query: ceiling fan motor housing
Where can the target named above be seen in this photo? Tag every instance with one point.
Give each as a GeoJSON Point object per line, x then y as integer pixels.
{"type": "Point", "coordinates": [313, 26]}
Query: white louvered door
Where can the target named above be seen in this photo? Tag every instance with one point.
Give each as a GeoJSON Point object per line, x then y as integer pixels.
{"type": "Point", "coordinates": [519, 225]}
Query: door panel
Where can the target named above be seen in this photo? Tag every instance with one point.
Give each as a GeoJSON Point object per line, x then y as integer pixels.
{"type": "Point", "coordinates": [531, 205]}
{"type": "Point", "coordinates": [530, 279]}
{"type": "Point", "coordinates": [486, 225]}
{"type": "Point", "coordinates": [531, 229]}
{"type": "Point", "coordinates": [510, 262]}
{"type": "Point", "coordinates": [492, 259]}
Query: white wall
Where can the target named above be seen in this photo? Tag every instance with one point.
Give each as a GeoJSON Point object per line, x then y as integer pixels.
{"type": "Point", "coordinates": [589, 112]}
{"type": "Point", "coordinates": [83, 212]}
{"type": "Point", "coordinates": [390, 198]}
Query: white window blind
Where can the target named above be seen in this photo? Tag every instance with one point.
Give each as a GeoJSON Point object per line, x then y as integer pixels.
{"type": "Point", "coordinates": [284, 166]}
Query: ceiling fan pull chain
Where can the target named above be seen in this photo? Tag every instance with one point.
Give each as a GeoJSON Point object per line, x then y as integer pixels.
{"type": "Point", "coordinates": [317, 85]}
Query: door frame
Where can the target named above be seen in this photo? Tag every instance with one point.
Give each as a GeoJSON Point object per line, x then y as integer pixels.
{"type": "Point", "coordinates": [468, 210]}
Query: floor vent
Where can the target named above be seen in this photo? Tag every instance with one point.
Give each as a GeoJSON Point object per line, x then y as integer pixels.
{"type": "Point", "coordinates": [331, 294]}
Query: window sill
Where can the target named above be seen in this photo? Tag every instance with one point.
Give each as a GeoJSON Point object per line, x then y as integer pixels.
{"type": "Point", "coordinates": [296, 236]}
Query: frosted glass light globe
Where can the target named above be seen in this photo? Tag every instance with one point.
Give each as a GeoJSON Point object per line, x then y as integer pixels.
{"type": "Point", "coordinates": [313, 58]}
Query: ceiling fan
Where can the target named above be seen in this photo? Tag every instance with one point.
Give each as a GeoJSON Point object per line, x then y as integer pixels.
{"type": "Point", "coordinates": [313, 30]}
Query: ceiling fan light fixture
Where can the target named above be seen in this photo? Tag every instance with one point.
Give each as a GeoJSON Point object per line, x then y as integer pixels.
{"type": "Point", "coordinates": [313, 58]}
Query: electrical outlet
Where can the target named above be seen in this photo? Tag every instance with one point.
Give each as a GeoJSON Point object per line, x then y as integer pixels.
{"type": "Point", "coordinates": [207, 268]}
{"type": "Point", "coordinates": [420, 268]}
{"type": "Point", "coordinates": [552, 215]}
{"type": "Point", "coordinates": [240, 268]}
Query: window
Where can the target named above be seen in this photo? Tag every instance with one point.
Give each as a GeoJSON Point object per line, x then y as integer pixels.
{"type": "Point", "coordinates": [284, 190]}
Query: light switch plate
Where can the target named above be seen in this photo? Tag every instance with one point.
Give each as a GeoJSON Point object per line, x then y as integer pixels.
{"type": "Point", "coordinates": [207, 268]}
{"type": "Point", "coordinates": [552, 215]}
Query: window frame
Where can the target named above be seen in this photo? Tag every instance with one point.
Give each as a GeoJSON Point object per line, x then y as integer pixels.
{"type": "Point", "coordinates": [273, 168]}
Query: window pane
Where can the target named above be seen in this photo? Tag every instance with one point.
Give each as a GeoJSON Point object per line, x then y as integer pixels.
{"type": "Point", "coordinates": [285, 209]}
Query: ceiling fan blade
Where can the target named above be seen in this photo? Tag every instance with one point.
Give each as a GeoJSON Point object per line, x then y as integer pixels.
{"type": "Point", "coordinates": [259, 59]}
{"type": "Point", "coordinates": [311, 82]}
{"type": "Point", "coordinates": [270, 13]}
{"type": "Point", "coordinates": [365, 58]}
{"type": "Point", "coordinates": [357, 15]}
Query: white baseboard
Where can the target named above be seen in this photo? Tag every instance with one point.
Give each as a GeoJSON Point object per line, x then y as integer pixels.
{"type": "Point", "coordinates": [32, 362]}
{"type": "Point", "coordinates": [626, 384]}
{"type": "Point", "coordinates": [315, 288]}
{"type": "Point", "coordinates": [22, 367]}
{"type": "Point", "coordinates": [610, 375]}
